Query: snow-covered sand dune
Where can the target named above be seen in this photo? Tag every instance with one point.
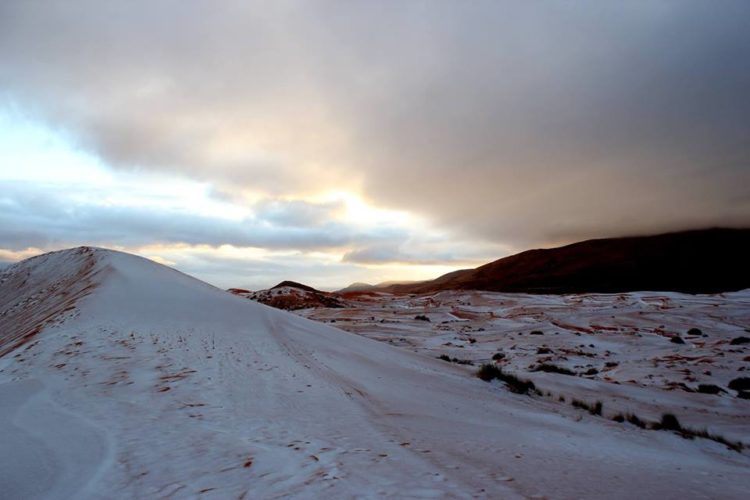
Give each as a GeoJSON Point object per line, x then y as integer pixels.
{"type": "Point", "coordinates": [126, 379]}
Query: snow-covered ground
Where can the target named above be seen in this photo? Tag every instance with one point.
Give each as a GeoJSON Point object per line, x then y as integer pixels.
{"type": "Point", "coordinates": [620, 347]}
{"type": "Point", "coordinates": [127, 379]}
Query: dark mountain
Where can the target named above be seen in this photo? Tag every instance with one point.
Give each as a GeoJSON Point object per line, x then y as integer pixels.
{"type": "Point", "coordinates": [366, 287]}
{"type": "Point", "coordinates": [702, 261]}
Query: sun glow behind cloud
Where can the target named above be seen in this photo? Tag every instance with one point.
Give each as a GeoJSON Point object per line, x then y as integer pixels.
{"type": "Point", "coordinates": [47, 178]}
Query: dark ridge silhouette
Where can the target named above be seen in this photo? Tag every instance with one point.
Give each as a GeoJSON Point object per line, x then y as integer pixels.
{"type": "Point", "coordinates": [700, 261]}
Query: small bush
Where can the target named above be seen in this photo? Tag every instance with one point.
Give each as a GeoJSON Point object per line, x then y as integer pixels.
{"type": "Point", "coordinates": [740, 384]}
{"type": "Point", "coordinates": [577, 403]}
{"type": "Point", "coordinates": [669, 423]}
{"type": "Point", "coordinates": [705, 434]}
{"type": "Point", "coordinates": [591, 371]}
{"type": "Point", "coordinates": [544, 350]}
{"type": "Point", "coordinates": [462, 361]}
{"type": "Point", "coordinates": [498, 356]}
{"type": "Point", "coordinates": [421, 317]}
{"type": "Point", "coordinates": [536, 332]}
{"type": "Point", "coordinates": [597, 408]}
{"type": "Point", "coordinates": [743, 394]}
{"type": "Point", "coordinates": [594, 409]}
{"type": "Point", "coordinates": [740, 341]}
{"type": "Point", "coordinates": [633, 419]}
{"type": "Point", "coordinates": [447, 358]}
{"type": "Point", "coordinates": [709, 389]}
{"type": "Point", "coordinates": [550, 368]}
{"type": "Point", "coordinates": [695, 331]}
{"type": "Point", "coordinates": [677, 340]}
{"type": "Point", "coordinates": [489, 372]}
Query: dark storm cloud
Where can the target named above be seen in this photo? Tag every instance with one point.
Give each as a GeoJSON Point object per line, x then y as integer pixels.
{"type": "Point", "coordinates": [516, 122]}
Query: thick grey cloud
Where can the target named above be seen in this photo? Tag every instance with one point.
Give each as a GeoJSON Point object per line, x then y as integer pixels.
{"type": "Point", "coordinates": [515, 122]}
{"type": "Point", "coordinates": [389, 252]}
{"type": "Point", "coordinates": [39, 216]}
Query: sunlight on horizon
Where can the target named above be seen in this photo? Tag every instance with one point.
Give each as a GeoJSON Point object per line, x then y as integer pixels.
{"type": "Point", "coordinates": [32, 155]}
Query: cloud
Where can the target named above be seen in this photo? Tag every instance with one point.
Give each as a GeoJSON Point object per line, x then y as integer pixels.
{"type": "Point", "coordinates": [515, 123]}
{"type": "Point", "coordinates": [39, 216]}
{"type": "Point", "coordinates": [297, 213]}
{"type": "Point", "coordinates": [434, 255]}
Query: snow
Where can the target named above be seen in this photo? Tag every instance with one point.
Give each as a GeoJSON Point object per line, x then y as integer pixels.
{"type": "Point", "coordinates": [159, 385]}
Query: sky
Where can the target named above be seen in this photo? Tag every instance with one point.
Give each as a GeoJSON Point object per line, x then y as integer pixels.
{"type": "Point", "coordinates": [331, 142]}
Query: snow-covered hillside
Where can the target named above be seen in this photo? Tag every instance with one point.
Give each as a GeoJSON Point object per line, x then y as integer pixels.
{"type": "Point", "coordinates": [123, 378]}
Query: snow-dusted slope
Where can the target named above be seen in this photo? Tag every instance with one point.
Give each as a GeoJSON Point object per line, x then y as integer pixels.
{"type": "Point", "coordinates": [158, 385]}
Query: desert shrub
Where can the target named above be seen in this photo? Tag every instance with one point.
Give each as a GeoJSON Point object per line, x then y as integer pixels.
{"type": "Point", "coordinates": [591, 371]}
{"type": "Point", "coordinates": [677, 340]}
{"type": "Point", "coordinates": [550, 368]}
{"type": "Point", "coordinates": [594, 409]}
{"type": "Point", "coordinates": [577, 403]}
{"type": "Point", "coordinates": [536, 332]}
{"type": "Point", "coordinates": [695, 331]}
{"type": "Point", "coordinates": [597, 408]}
{"type": "Point", "coordinates": [488, 372]}
{"type": "Point", "coordinates": [498, 356]}
{"type": "Point", "coordinates": [462, 361]}
{"type": "Point", "coordinates": [740, 384]}
{"type": "Point", "coordinates": [668, 422]}
{"type": "Point", "coordinates": [421, 317]}
{"type": "Point", "coordinates": [544, 350]}
{"type": "Point", "coordinates": [709, 389]}
{"type": "Point", "coordinates": [611, 364]}
{"type": "Point", "coordinates": [447, 358]}
{"type": "Point", "coordinates": [633, 419]}
{"type": "Point", "coordinates": [743, 394]}
{"type": "Point", "coordinates": [740, 341]}
{"type": "Point", "coordinates": [705, 434]}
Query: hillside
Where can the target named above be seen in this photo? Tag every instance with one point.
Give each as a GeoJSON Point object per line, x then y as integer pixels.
{"type": "Point", "coordinates": [123, 378]}
{"type": "Point", "coordinates": [705, 261]}
{"type": "Point", "coordinates": [366, 287]}
{"type": "Point", "coordinates": [290, 296]}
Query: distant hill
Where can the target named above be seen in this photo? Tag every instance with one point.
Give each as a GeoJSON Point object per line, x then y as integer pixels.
{"type": "Point", "coordinates": [294, 284]}
{"type": "Point", "coordinates": [366, 287]}
{"type": "Point", "coordinates": [356, 287]}
{"type": "Point", "coordinates": [290, 295]}
{"type": "Point", "coordinates": [701, 261]}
